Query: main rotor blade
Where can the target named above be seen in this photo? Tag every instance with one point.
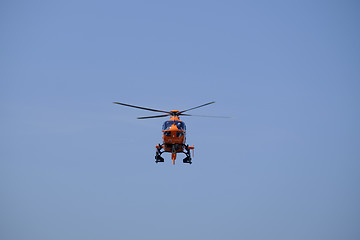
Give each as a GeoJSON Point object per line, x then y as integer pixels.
{"type": "Point", "coordinates": [143, 108]}
{"type": "Point", "coordinates": [157, 116]}
{"type": "Point", "coordinates": [196, 107]}
{"type": "Point", "coordinates": [191, 115]}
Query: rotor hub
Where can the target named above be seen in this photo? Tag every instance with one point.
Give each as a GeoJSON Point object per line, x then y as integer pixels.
{"type": "Point", "coordinates": [174, 112]}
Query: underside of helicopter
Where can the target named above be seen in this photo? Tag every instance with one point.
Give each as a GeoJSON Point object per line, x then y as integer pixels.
{"type": "Point", "coordinates": [174, 149]}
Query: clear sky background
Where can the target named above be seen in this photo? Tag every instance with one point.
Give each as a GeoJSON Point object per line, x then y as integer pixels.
{"type": "Point", "coordinates": [75, 166]}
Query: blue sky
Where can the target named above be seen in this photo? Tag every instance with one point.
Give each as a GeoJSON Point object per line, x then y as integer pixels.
{"type": "Point", "coordinates": [75, 166]}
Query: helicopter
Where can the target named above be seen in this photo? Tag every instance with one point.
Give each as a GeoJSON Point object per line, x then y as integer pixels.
{"type": "Point", "coordinates": [174, 132]}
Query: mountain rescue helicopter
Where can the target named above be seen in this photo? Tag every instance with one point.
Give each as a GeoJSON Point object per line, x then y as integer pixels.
{"type": "Point", "coordinates": [174, 132]}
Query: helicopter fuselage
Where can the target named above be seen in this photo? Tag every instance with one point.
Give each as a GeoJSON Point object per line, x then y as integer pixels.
{"type": "Point", "coordinates": [174, 135]}
{"type": "Point", "coordinates": [174, 140]}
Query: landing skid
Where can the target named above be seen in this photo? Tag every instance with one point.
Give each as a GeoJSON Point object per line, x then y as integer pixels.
{"type": "Point", "coordinates": [158, 157]}
{"type": "Point", "coordinates": [186, 151]}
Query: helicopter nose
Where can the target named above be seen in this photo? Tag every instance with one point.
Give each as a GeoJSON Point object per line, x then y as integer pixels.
{"type": "Point", "coordinates": [173, 128]}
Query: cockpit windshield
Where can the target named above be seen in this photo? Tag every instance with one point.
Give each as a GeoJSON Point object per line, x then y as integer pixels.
{"type": "Point", "coordinates": [180, 125]}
